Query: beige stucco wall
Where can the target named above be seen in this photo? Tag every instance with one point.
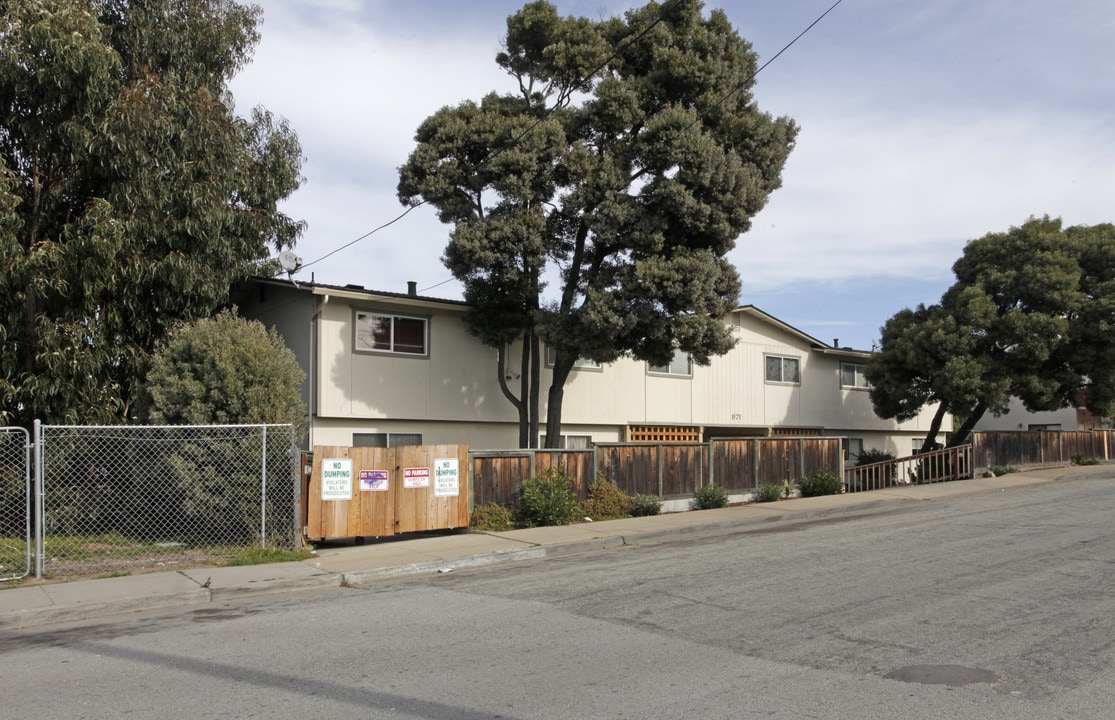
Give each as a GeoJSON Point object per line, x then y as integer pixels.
{"type": "Point", "coordinates": [451, 395]}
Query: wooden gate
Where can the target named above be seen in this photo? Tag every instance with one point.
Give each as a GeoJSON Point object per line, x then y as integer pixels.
{"type": "Point", "coordinates": [376, 492]}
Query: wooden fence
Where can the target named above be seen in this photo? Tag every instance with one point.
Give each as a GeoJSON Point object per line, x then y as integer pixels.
{"type": "Point", "coordinates": [661, 469]}
{"type": "Point", "coordinates": [1040, 447]}
{"type": "Point", "coordinates": [741, 465]}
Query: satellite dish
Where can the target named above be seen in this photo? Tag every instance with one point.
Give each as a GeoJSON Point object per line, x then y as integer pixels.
{"type": "Point", "coordinates": [290, 262]}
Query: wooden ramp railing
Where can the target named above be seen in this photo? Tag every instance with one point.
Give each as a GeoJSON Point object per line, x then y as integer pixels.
{"type": "Point", "coordinates": [934, 466]}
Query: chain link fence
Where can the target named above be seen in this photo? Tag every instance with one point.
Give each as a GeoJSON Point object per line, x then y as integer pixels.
{"type": "Point", "coordinates": [15, 503]}
{"type": "Point", "coordinates": [127, 499]}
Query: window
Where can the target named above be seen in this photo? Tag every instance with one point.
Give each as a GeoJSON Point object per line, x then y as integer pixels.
{"type": "Point", "coordinates": [551, 358]}
{"type": "Point", "coordinates": [853, 448]}
{"type": "Point", "coordinates": [570, 442]}
{"type": "Point", "coordinates": [1045, 428]}
{"type": "Point", "coordinates": [851, 376]}
{"type": "Point", "coordinates": [385, 440]}
{"type": "Point", "coordinates": [680, 364]}
{"type": "Point", "coordinates": [783, 369]}
{"type": "Point", "coordinates": [377, 332]}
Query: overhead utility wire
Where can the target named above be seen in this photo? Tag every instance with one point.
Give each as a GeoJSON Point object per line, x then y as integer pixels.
{"type": "Point", "coordinates": [514, 141]}
{"type": "Point", "coordinates": [524, 133]}
{"type": "Point", "coordinates": [722, 100]}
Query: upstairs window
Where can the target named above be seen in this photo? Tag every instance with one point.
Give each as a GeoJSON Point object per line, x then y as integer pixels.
{"type": "Point", "coordinates": [680, 364]}
{"type": "Point", "coordinates": [852, 376]}
{"type": "Point", "coordinates": [783, 370]}
{"type": "Point", "coordinates": [380, 332]}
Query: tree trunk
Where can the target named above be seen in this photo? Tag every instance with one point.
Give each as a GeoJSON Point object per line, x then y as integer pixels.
{"type": "Point", "coordinates": [934, 428]}
{"type": "Point", "coordinates": [535, 383]}
{"type": "Point", "coordinates": [965, 429]}
{"type": "Point", "coordinates": [562, 367]}
{"type": "Point", "coordinates": [501, 373]}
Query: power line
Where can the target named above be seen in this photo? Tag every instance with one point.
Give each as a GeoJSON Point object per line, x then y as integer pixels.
{"type": "Point", "coordinates": [515, 140]}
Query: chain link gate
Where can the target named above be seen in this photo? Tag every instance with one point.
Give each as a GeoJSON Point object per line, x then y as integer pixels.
{"type": "Point", "coordinates": [15, 503]}
{"type": "Point", "coordinates": [127, 499]}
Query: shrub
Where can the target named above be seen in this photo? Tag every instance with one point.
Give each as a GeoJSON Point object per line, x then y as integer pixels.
{"type": "Point", "coordinates": [1002, 469]}
{"type": "Point", "coordinates": [821, 482]}
{"type": "Point", "coordinates": [645, 505]}
{"type": "Point", "coordinates": [1082, 459]}
{"type": "Point", "coordinates": [547, 499]}
{"type": "Point", "coordinates": [769, 492]}
{"type": "Point", "coordinates": [492, 517]}
{"type": "Point", "coordinates": [606, 501]}
{"type": "Point", "coordinates": [711, 496]}
{"type": "Point", "coordinates": [869, 457]}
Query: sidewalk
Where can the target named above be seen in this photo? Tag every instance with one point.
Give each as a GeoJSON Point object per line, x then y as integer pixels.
{"type": "Point", "coordinates": [354, 564]}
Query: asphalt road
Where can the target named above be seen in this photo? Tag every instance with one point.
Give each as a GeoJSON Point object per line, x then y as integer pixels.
{"type": "Point", "coordinates": [990, 606]}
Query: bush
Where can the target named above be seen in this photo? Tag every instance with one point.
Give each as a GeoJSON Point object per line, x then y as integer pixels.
{"type": "Point", "coordinates": [645, 505]}
{"type": "Point", "coordinates": [821, 482]}
{"type": "Point", "coordinates": [606, 501]}
{"type": "Point", "coordinates": [872, 456]}
{"type": "Point", "coordinates": [711, 496]}
{"type": "Point", "coordinates": [998, 470]}
{"type": "Point", "coordinates": [492, 517]}
{"type": "Point", "coordinates": [1082, 459]}
{"type": "Point", "coordinates": [769, 492]}
{"type": "Point", "coordinates": [547, 499]}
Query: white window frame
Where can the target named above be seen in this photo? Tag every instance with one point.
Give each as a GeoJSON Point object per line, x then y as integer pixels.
{"type": "Point", "coordinates": [364, 340]}
{"type": "Point", "coordinates": [674, 368]}
{"type": "Point", "coordinates": [782, 369]}
{"type": "Point", "coordinates": [859, 379]}
{"type": "Point", "coordinates": [580, 441]}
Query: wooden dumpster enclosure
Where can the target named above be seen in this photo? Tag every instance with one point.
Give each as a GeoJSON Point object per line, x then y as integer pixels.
{"type": "Point", "coordinates": [377, 492]}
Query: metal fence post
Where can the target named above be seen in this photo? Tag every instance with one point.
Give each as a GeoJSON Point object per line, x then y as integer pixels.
{"type": "Point", "coordinates": [38, 442]}
{"type": "Point", "coordinates": [263, 493]}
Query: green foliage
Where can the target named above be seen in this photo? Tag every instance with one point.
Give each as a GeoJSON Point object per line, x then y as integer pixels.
{"type": "Point", "coordinates": [632, 172]}
{"type": "Point", "coordinates": [606, 501]}
{"type": "Point", "coordinates": [821, 482]}
{"type": "Point", "coordinates": [224, 370]}
{"type": "Point", "coordinates": [645, 505]}
{"type": "Point", "coordinates": [871, 456]}
{"type": "Point", "coordinates": [1082, 459]}
{"type": "Point", "coordinates": [1029, 316]}
{"type": "Point", "coordinates": [769, 492]}
{"type": "Point", "coordinates": [131, 194]}
{"type": "Point", "coordinates": [547, 499]}
{"type": "Point", "coordinates": [492, 517]}
{"type": "Point", "coordinates": [1000, 470]}
{"type": "Point", "coordinates": [711, 496]}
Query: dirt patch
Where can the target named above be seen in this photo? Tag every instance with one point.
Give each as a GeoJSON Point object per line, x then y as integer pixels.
{"type": "Point", "coordinates": [99, 566]}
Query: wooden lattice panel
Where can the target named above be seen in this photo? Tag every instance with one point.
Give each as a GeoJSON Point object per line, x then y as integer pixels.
{"type": "Point", "coordinates": [795, 432]}
{"type": "Point", "coordinates": [663, 433]}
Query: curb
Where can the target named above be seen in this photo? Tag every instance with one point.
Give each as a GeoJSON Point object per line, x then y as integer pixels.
{"type": "Point", "coordinates": [500, 556]}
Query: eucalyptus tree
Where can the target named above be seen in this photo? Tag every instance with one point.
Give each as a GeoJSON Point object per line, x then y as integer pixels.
{"type": "Point", "coordinates": [621, 171]}
{"type": "Point", "coordinates": [132, 194]}
{"type": "Point", "coordinates": [1030, 316]}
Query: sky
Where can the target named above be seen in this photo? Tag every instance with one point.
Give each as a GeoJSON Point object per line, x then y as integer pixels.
{"type": "Point", "coordinates": [923, 124]}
